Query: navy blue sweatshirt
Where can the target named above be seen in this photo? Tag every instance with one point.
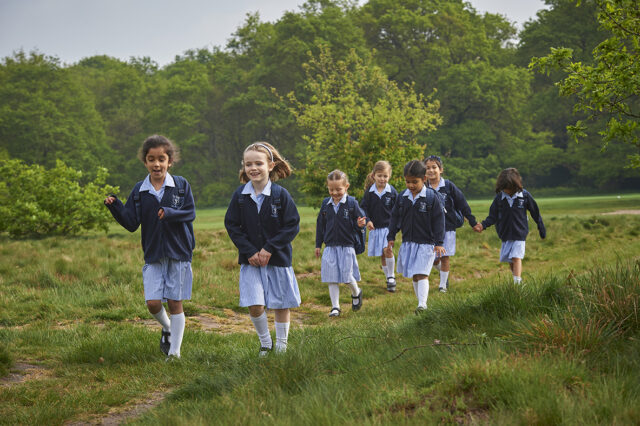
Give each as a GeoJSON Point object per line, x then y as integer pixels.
{"type": "Point", "coordinates": [378, 210]}
{"type": "Point", "coordinates": [338, 229]}
{"type": "Point", "coordinates": [454, 199]}
{"type": "Point", "coordinates": [421, 223]}
{"type": "Point", "coordinates": [511, 221]}
{"type": "Point", "coordinates": [272, 229]}
{"type": "Point", "coordinates": [171, 237]}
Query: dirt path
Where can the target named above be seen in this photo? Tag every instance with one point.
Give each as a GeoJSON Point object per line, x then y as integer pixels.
{"type": "Point", "coordinates": [624, 212]}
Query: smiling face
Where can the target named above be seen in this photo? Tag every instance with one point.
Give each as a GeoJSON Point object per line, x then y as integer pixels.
{"type": "Point", "coordinates": [381, 179]}
{"type": "Point", "coordinates": [157, 162]}
{"type": "Point", "coordinates": [257, 166]}
{"type": "Point", "coordinates": [414, 184]}
{"type": "Point", "coordinates": [433, 171]}
{"type": "Point", "coordinates": [337, 189]}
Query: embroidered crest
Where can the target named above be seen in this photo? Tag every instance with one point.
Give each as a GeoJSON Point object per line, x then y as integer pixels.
{"type": "Point", "coordinates": [520, 203]}
{"type": "Point", "coordinates": [176, 201]}
{"type": "Point", "coordinates": [274, 210]}
{"type": "Point", "coordinates": [422, 206]}
{"type": "Point", "coordinates": [387, 201]}
{"type": "Point", "coordinates": [345, 212]}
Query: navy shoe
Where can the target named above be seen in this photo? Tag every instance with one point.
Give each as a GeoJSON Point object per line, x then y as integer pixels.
{"type": "Point", "coordinates": [357, 306]}
{"type": "Point", "coordinates": [264, 351]}
{"type": "Point", "coordinates": [165, 344]}
{"type": "Point", "coordinates": [419, 310]}
{"type": "Point", "coordinates": [391, 285]}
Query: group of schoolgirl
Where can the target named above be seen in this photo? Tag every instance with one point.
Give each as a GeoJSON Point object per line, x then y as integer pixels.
{"type": "Point", "coordinates": [262, 220]}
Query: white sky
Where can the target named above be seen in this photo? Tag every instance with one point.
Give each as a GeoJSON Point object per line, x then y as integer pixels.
{"type": "Point", "coordinates": [160, 29]}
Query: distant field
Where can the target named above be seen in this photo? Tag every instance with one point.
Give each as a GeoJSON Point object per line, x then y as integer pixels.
{"type": "Point", "coordinates": [77, 344]}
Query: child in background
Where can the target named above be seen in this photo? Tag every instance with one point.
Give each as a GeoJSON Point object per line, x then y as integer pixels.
{"type": "Point", "coordinates": [454, 204]}
{"type": "Point", "coordinates": [163, 205]}
{"type": "Point", "coordinates": [338, 221]}
{"type": "Point", "coordinates": [418, 213]}
{"type": "Point", "coordinates": [377, 203]}
{"type": "Point", "coordinates": [508, 212]}
{"type": "Point", "coordinates": [262, 220]}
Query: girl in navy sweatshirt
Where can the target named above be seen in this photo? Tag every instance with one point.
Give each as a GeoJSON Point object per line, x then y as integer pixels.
{"type": "Point", "coordinates": [508, 212]}
{"type": "Point", "coordinates": [456, 209]}
{"type": "Point", "coordinates": [262, 220]}
{"type": "Point", "coordinates": [339, 219]}
{"type": "Point", "coordinates": [163, 205]}
{"type": "Point", "coordinates": [419, 214]}
{"type": "Point", "coordinates": [377, 203]}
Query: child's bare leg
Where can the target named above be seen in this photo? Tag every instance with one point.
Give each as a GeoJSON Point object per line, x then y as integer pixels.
{"type": "Point", "coordinates": [516, 269]}
{"type": "Point", "coordinates": [259, 319]}
{"type": "Point", "coordinates": [421, 287]}
{"type": "Point", "coordinates": [282, 322]}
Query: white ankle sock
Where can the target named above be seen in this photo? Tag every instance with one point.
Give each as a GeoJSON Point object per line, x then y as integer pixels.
{"type": "Point", "coordinates": [517, 280]}
{"type": "Point", "coordinates": [334, 294]}
{"type": "Point", "coordinates": [443, 279]}
{"type": "Point", "coordinates": [262, 329]}
{"type": "Point", "coordinates": [423, 292]}
{"type": "Point", "coordinates": [163, 319]}
{"type": "Point", "coordinates": [355, 290]}
{"type": "Point", "coordinates": [391, 263]}
{"type": "Point", "coordinates": [282, 334]}
{"type": "Point", "coordinates": [177, 331]}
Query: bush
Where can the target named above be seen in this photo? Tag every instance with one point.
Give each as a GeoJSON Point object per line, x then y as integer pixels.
{"type": "Point", "coordinates": [35, 201]}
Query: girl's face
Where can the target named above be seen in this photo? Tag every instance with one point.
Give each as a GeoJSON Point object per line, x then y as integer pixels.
{"type": "Point", "coordinates": [433, 171]}
{"type": "Point", "coordinates": [257, 166]}
{"type": "Point", "coordinates": [382, 178]}
{"type": "Point", "coordinates": [509, 191]}
{"type": "Point", "coordinates": [157, 162]}
{"type": "Point", "coordinates": [337, 189]}
{"type": "Point", "coordinates": [414, 184]}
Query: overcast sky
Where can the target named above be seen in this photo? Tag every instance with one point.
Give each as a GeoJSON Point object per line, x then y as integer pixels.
{"type": "Point", "coordinates": [160, 29]}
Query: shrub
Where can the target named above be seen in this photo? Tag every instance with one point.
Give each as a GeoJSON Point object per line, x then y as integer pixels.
{"type": "Point", "coordinates": [35, 201]}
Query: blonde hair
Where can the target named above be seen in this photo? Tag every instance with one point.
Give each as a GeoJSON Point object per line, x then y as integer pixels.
{"type": "Point", "coordinates": [380, 166]}
{"type": "Point", "coordinates": [338, 175]}
{"type": "Point", "coordinates": [281, 168]}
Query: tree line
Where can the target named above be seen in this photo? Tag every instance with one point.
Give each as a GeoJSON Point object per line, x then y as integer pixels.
{"type": "Point", "coordinates": [475, 102]}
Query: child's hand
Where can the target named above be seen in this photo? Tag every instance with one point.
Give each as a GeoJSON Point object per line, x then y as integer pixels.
{"type": "Point", "coordinates": [254, 260]}
{"type": "Point", "coordinates": [370, 226]}
{"type": "Point", "coordinates": [161, 214]}
{"type": "Point", "coordinates": [362, 221]}
{"type": "Point", "coordinates": [478, 228]}
{"type": "Point", "coordinates": [263, 257]}
{"type": "Point", "coordinates": [317, 252]}
{"type": "Point", "coordinates": [439, 250]}
{"type": "Point", "coordinates": [109, 200]}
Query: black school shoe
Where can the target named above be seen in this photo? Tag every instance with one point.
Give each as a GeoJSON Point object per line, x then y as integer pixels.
{"type": "Point", "coordinates": [357, 306]}
{"type": "Point", "coordinates": [165, 344]}
{"type": "Point", "coordinates": [391, 285]}
{"type": "Point", "coordinates": [335, 312]}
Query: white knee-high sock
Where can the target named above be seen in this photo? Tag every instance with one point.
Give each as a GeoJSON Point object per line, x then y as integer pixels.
{"type": "Point", "coordinates": [353, 284]}
{"type": "Point", "coordinates": [282, 334]}
{"type": "Point", "coordinates": [391, 263]}
{"type": "Point", "coordinates": [262, 329]}
{"type": "Point", "coordinates": [443, 279]}
{"type": "Point", "coordinates": [177, 331]}
{"type": "Point", "coordinates": [385, 270]}
{"type": "Point", "coordinates": [437, 266]}
{"type": "Point", "coordinates": [423, 292]}
{"type": "Point", "coordinates": [334, 294]}
{"type": "Point", "coordinates": [415, 288]}
{"type": "Point", "coordinates": [163, 319]}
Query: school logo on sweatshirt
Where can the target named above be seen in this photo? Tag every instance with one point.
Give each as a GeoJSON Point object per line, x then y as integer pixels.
{"type": "Point", "coordinates": [387, 201]}
{"type": "Point", "coordinates": [520, 203]}
{"type": "Point", "coordinates": [422, 206]}
{"type": "Point", "coordinates": [345, 213]}
{"type": "Point", "coordinates": [176, 201]}
{"type": "Point", "coordinates": [274, 210]}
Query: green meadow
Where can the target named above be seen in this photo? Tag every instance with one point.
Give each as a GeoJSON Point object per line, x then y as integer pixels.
{"type": "Point", "coordinates": [77, 344]}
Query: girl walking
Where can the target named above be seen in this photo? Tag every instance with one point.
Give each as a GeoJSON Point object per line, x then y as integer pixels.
{"type": "Point", "coordinates": [456, 209]}
{"type": "Point", "coordinates": [339, 219]}
{"type": "Point", "coordinates": [377, 203]}
{"type": "Point", "coordinates": [163, 205]}
{"type": "Point", "coordinates": [262, 220]}
{"type": "Point", "coordinates": [508, 212]}
{"type": "Point", "coordinates": [418, 213]}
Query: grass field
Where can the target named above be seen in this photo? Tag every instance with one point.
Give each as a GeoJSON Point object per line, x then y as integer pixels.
{"type": "Point", "coordinates": [77, 344]}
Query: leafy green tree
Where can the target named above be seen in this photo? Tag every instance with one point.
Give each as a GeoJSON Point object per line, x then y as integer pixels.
{"type": "Point", "coordinates": [35, 201]}
{"type": "Point", "coordinates": [356, 116]}
{"type": "Point", "coordinates": [611, 84]}
{"type": "Point", "coordinates": [46, 115]}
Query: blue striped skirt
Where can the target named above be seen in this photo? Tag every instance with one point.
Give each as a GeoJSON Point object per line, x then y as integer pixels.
{"type": "Point", "coordinates": [415, 259]}
{"type": "Point", "coordinates": [377, 241]}
{"type": "Point", "coordinates": [339, 265]}
{"type": "Point", "coordinates": [511, 249]}
{"type": "Point", "coordinates": [275, 287]}
{"type": "Point", "coordinates": [449, 243]}
{"type": "Point", "coordinates": [167, 279]}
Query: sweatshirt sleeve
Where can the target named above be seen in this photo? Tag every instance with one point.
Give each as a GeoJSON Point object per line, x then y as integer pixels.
{"type": "Point", "coordinates": [186, 213]}
{"type": "Point", "coordinates": [532, 206]}
{"type": "Point", "coordinates": [461, 204]}
{"type": "Point", "coordinates": [320, 226]}
{"type": "Point", "coordinates": [125, 214]}
{"type": "Point", "coordinates": [233, 224]}
{"type": "Point", "coordinates": [493, 214]}
{"type": "Point", "coordinates": [437, 220]}
{"type": "Point", "coordinates": [290, 224]}
{"type": "Point", "coordinates": [396, 221]}
{"type": "Point", "coordinates": [364, 205]}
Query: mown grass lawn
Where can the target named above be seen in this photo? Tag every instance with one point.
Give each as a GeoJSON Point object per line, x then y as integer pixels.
{"type": "Point", "coordinates": [77, 344]}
